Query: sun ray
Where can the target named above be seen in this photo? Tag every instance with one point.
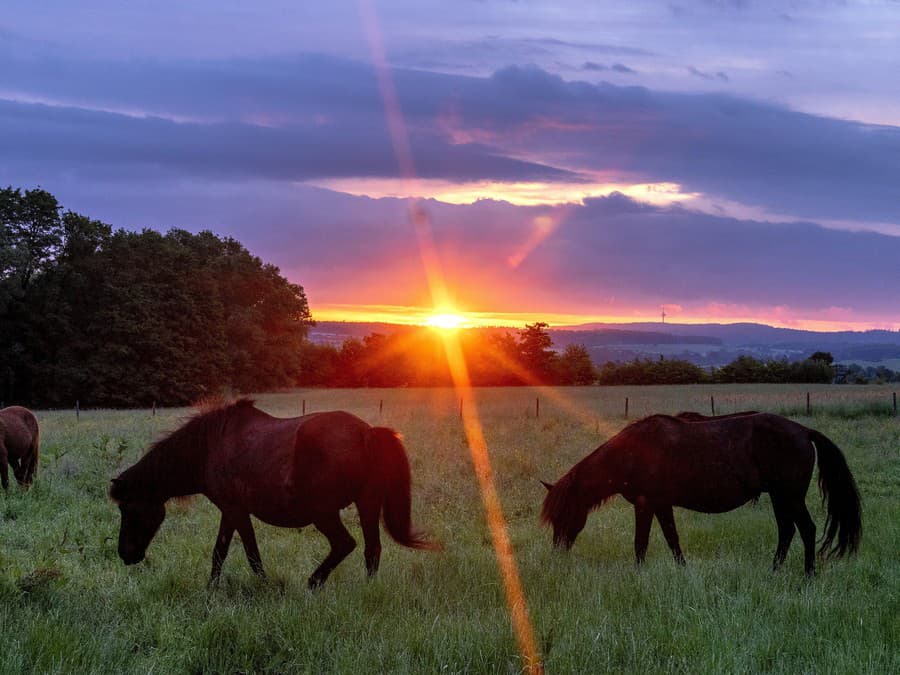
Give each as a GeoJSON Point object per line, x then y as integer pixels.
{"type": "Point", "coordinates": [503, 550]}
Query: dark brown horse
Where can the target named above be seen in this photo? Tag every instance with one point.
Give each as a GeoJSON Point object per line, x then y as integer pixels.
{"type": "Point", "coordinates": [20, 445]}
{"type": "Point", "coordinates": [712, 466]}
{"type": "Point", "coordinates": [286, 472]}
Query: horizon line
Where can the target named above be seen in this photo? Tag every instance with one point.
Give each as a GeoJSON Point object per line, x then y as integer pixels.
{"type": "Point", "coordinates": [403, 315]}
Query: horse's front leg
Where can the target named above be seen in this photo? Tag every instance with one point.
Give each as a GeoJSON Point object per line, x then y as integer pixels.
{"type": "Point", "coordinates": [784, 517]}
{"type": "Point", "coordinates": [248, 537]}
{"type": "Point", "coordinates": [220, 550]}
{"type": "Point", "coordinates": [342, 544]}
{"type": "Point", "coordinates": [643, 519]}
{"type": "Point", "coordinates": [667, 523]}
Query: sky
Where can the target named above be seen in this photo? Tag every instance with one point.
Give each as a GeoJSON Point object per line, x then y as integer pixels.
{"type": "Point", "coordinates": [572, 161]}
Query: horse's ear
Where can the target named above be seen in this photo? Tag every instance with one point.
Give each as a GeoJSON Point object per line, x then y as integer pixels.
{"type": "Point", "coordinates": [115, 485]}
{"type": "Point", "coordinates": [547, 485]}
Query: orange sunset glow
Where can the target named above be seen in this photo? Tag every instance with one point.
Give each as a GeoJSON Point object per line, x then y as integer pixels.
{"type": "Point", "coordinates": [425, 316]}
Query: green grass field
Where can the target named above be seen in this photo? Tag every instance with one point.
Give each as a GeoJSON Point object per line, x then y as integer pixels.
{"type": "Point", "coordinates": [67, 604]}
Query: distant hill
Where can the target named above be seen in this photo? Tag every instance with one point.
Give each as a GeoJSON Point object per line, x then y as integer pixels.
{"type": "Point", "coordinates": [711, 344]}
{"type": "Point", "coordinates": [750, 333]}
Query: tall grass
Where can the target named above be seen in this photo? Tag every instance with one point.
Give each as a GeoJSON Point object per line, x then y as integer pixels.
{"type": "Point", "coordinates": [67, 604]}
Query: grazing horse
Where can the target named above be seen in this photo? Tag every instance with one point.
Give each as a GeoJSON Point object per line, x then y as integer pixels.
{"type": "Point", "coordinates": [20, 445]}
{"type": "Point", "coordinates": [286, 472]}
{"type": "Point", "coordinates": [712, 466]}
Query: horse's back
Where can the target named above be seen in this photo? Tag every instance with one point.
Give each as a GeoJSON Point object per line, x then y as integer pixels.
{"type": "Point", "coordinates": [332, 454]}
{"type": "Point", "coordinates": [18, 427]}
{"type": "Point", "coordinates": [769, 448]}
{"type": "Point", "coordinates": [720, 463]}
{"type": "Point", "coordinates": [285, 470]}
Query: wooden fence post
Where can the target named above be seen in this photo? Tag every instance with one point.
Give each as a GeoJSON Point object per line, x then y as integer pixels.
{"type": "Point", "coordinates": [807, 403]}
{"type": "Point", "coordinates": [154, 408]}
{"type": "Point", "coordinates": [380, 406]}
{"type": "Point", "coordinates": [537, 407]}
{"type": "Point", "coordinates": [460, 408]}
{"type": "Point", "coordinates": [895, 402]}
{"type": "Point", "coordinates": [626, 407]}
{"type": "Point", "coordinates": [77, 411]}
{"type": "Point", "coordinates": [304, 407]}
{"type": "Point", "coordinates": [712, 405]}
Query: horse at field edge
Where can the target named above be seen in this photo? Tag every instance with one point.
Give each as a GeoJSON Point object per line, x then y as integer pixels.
{"type": "Point", "coordinates": [286, 472]}
{"type": "Point", "coordinates": [712, 466]}
{"type": "Point", "coordinates": [20, 445]}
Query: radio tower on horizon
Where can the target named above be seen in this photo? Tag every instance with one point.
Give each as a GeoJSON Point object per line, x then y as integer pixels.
{"type": "Point", "coordinates": [663, 313]}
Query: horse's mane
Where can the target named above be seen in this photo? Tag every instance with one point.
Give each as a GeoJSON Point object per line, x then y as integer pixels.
{"type": "Point", "coordinates": [558, 502]}
{"type": "Point", "coordinates": [179, 451]}
{"type": "Point", "coordinates": [562, 504]}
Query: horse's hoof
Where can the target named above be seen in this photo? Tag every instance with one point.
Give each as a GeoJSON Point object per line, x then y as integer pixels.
{"type": "Point", "coordinates": [315, 583]}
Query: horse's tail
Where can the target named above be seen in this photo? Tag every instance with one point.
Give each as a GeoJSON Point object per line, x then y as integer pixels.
{"type": "Point", "coordinates": [392, 463]}
{"type": "Point", "coordinates": [34, 455]}
{"type": "Point", "coordinates": [840, 497]}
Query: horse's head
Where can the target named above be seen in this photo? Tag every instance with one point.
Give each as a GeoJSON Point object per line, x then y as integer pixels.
{"type": "Point", "coordinates": [563, 512]}
{"type": "Point", "coordinates": [141, 517]}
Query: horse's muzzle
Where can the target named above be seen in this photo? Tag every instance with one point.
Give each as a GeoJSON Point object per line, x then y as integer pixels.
{"type": "Point", "coordinates": [131, 558]}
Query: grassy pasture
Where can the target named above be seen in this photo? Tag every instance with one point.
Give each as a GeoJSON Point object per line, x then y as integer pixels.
{"type": "Point", "coordinates": [67, 604]}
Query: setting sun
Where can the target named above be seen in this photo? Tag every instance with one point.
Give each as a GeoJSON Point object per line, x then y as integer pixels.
{"type": "Point", "coordinates": [445, 321]}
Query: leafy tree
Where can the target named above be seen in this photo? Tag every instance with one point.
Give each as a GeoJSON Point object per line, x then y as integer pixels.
{"type": "Point", "coordinates": [574, 366]}
{"type": "Point", "coordinates": [822, 356]}
{"type": "Point", "coordinates": [535, 351]}
{"type": "Point", "coordinates": [742, 369]}
{"type": "Point", "coordinates": [811, 371]}
{"type": "Point", "coordinates": [128, 318]}
{"type": "Point", "coordinates": [647, 371]}
{"type": "Point", "coordinates": [32, 233]}
{"type": "Point", "coordinates": [318, 365]}
{"type": "Point", "coordinates": [30, 236]}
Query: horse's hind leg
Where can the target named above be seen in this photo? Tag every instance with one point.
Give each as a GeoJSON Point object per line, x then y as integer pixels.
{"type": "Point", "coordinates": [220, 550]}
{"type": "Point", "coordinates": [248, 537]}
{"type": "Point", "coordinates": [784, 516]}
{"type": "Point", "coordinates": [808, 534]}
{"type": "Point", "coordinates": [369, 514]}
{"type": "Point", "coordinates": [667, 523]}
{"type": "Point", "coordinates": [18, 467]}
{"type": "Point", "coordinates": [643, 519]}
{"type": "Point", "coordinates": [342, 544]}
{"type": "Point", "coordinates": [28, 469]}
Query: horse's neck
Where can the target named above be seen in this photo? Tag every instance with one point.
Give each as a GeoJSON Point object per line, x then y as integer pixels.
{"type": "Point", "coordinates": [173, 469]}
{"type": "Point", "coordinates": [598, 477]}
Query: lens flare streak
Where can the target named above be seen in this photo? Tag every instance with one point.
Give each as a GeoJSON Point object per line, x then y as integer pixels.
{"type": "Point", "coordinates": [505, 555]}
{"type": "Point", "coordinates": [503, 549]}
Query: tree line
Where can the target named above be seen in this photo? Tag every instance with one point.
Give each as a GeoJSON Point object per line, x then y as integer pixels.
{"type": "Point", "coordinates": [114, 317]}
{"type": "Point", "coordinates": [414, 356]}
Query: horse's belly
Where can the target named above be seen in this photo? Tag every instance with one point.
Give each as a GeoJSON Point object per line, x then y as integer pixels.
{"type": "Point", "coordinates": [714, 506]}
{"type": "Point", "coordinates": [290, 508]}
{"type": "Point", "coordinates": [715, 500]}
{"type": "Point", "coordinates": [283, 518]}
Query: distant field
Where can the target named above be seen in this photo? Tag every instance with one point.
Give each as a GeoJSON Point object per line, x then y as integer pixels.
{"type": "Point", "coordinates": [67, 604]}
